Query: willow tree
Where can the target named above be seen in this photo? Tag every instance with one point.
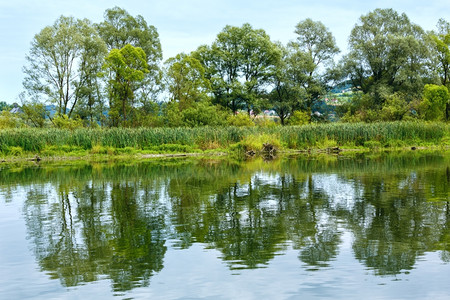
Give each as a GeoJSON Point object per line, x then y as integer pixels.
{"type": "Point", "coordinates": [441, 43]}
{"type": "Point", "coordinates": [186, 82]}
{"type": "Point", "coordinates": [125, 69]}
{"type": "Point", "coordinates": [63, 63]}
{"type": "Point", "coordinates": [239, 64]}
{"type": "Point", "coordinates": [388, 54]}
{"type": "Point", "coordinates": [312, 52]}
{"type": "Point", "coordinates": [119, 29]}
{"type": "Point", "coordinates": [298, 79]}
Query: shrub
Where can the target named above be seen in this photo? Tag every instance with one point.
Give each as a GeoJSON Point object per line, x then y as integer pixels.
{"type": "Point", "coordinates": [240, 120]}
{"type": "Point", "coordinates": [15, 151]}
{"type": "Point", "coordinates": [299, 118]}
{"type": "Point", "coordinates": [434, 103]}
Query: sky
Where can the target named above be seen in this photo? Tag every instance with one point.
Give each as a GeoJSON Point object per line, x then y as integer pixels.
{"type": "Point", "coordinates": [184, 25]}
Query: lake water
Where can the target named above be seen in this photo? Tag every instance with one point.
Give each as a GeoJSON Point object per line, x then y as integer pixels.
{"type": "Point", "coordinates": [358, 227]}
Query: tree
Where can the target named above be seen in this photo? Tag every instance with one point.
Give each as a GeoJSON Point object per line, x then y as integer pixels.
{"type": "Point", "coordinates": [239, 64]}
{"type": "Point", "coordinates": [186, 80]}
{"type": "Point", "coordinates": [387, 54]}
{"type": "Point", "coordinates": [63, 63]}
{"type": "Point", "coordinates": [91, 102]}
{"type": "Point", "coordinates": [125, 70]}
{"type": "Point", "coordinates": [34, 113]}
{"type": "Point", "coordinates": [441, 43]}
{"type": "Point", "coordinates": [310, 54]}
{"type": "Point", "coordinates": [434, 103]}
{"type": "Point", "coordinates": [120, 29]}
{"type": "Point", "coordinates": [4, 106]}
{"type": "Point", "coordinates": [285, 95]}
{"type": "Point", "coordinates": [299, 79]}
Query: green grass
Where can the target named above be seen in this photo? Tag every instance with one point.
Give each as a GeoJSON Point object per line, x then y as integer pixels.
{"type": "Point", "coordinates": [116, 141]}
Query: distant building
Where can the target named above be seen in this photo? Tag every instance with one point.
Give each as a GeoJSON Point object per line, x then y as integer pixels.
{"type": "Point", "coordinates": [16, 109]}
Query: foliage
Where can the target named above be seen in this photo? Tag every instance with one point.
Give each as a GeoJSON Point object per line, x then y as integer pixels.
{"type": "Point", "coordinates": [441, 54]}
{"type": "Point", "coordinates": [204, 114]}
{"type": "Point", "coordinates": [62, 69]}
{"type": "Point", "coordinates": [389, 63]}
{"type": "Point", "coordinates": [4, 106]}
{"type": "Point", "coordinates": [240, 120]}
{"type": "Point", "coordinates": [125, 69]}
{"type": "Point", "coordinates": [299, 118]}
{"type": "Point", "coordinates": [285, 95]}
{"type": "Point", "coordinates": [8, 120]}
{"type": "Point", "coordinates": [387, 54]}
{"type": "Point", "coordinates": [119, 29]}
{"type": "Point", "coordinates": [198, 114]}
{"type": "Point", "coordinates": [255, 142]}
{"type": "Point", "coordinates": [186, 80]}
{"type": "Point", "coordinates": [388, 134]}
{"type": "Point", "coordinates": [63, 122]}
{"type": "Point", "coordinates": [34, 113]}
{"type": "Point", "coordinates": [394, 108]}
{"type": "Point", "coordinates": [312, 51]}
{"type": "Point", "coordinates": [434, 104]}
{"type": "Point", "coordinates": [238, 65]}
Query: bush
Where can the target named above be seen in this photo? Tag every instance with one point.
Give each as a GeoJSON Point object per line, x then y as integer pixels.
{"type": "Point", "coordinates": [240, 120]}
{"type": "Point", "coordinates": [434, 103]}
{"type": "Point", "coordinates": [8, 120]}
{"type": "Point", "coordinates": [256, 142]}
{"type": "Point", "coordinates": [15, 151]}
{"type": "Point", "coordinates": [299, 118]}
{"type": "Point", "coordinates": [64, 122]}
{"type": "Point", "coordinates": [204, 114]}
{"type": "Point", "coordinates": [394, 108]}
{"type": "Point", "coordinates": [372, 145]}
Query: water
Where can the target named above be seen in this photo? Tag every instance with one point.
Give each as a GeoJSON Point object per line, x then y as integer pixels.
{"type": "Point", "coordinates": [354, 227]}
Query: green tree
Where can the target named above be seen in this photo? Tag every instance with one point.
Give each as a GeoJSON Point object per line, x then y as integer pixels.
{"type": "Point", "coordinates": [34, 113]}
{"type": "Point", "coordinates": [239, 64]}
{"type": "Point", "coordinates": [9, 120]}
{"type": "Point", "coordinates": [441, 43]}
{"type": "Point", "coordinates": [63, 63]}
{"type": "Point", "coordinates": [125, 70]}
{"type": "Point", "coordinates": [434, 103]}
{"type": "Point", "coordinates": [118, 29]}
{"type": "Point", "coordinates": [310, 54]}
{"type": "Point", "coordinates": [186, 80]}
{"type": "Point", "coordinates": [4, 106]}
{"type": "Point", "coordinates": [387, 54]}
{"type": "Point", "coordinates": [285, 95]}
{"type": "Point", "coordinates": [91, 102]}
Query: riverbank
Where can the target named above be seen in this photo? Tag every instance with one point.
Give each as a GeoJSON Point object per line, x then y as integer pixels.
{"type": "Point", "coordinates": [102, 158]}
{"type": "Point", "coordinates": [145, 143]}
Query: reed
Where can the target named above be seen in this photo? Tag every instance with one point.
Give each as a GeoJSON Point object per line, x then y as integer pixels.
{"type": "Point", "coordinates": [32, 140]}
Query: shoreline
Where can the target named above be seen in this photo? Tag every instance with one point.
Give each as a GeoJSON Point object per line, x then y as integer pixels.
{"type": "Point", "coordinates": [334, 151]}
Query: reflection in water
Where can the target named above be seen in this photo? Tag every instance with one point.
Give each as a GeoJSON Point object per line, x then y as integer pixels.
{"type": "Point", "coordinates": [91, 221]}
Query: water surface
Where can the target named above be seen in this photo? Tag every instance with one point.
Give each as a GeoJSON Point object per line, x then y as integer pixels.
{"type": "Point", "coordinates": [356, 227]}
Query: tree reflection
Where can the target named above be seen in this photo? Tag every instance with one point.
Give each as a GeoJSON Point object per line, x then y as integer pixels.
{"type": "Point", "coordinates": [92, 221]}
{"type": "Point", "coordinates": [95, 230]}
{"type": "Point", "coordinates": [395, 223]}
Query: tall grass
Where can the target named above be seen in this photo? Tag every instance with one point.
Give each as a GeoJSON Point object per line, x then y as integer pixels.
{"type": "Point", "coordinates": [294, 137]}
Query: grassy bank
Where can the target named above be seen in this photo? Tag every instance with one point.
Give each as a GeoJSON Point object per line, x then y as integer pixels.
{"type": "Point", "coordinates": [124, 141]}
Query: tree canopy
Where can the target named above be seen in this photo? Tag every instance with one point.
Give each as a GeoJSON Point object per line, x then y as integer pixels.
{"type": "Point", "coordinates": [111, 73]}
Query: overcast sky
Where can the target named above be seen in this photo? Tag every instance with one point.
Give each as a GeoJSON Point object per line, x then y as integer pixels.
{"type": "Point", "coordinates": [184, 25]}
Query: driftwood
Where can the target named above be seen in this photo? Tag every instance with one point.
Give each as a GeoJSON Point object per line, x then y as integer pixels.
{"type": "Point", "coordinates": [36, 158]}
{"type": "Point", "coordinates": [269, 151]}
{"type": "Point", "coordinates": [333, 150]}
{"type": "Point", "coordinates": [250, 153]}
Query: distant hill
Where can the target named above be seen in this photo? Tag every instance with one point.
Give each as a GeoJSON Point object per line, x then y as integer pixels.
{"type": "Point", "coordinates": [343, 87]}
